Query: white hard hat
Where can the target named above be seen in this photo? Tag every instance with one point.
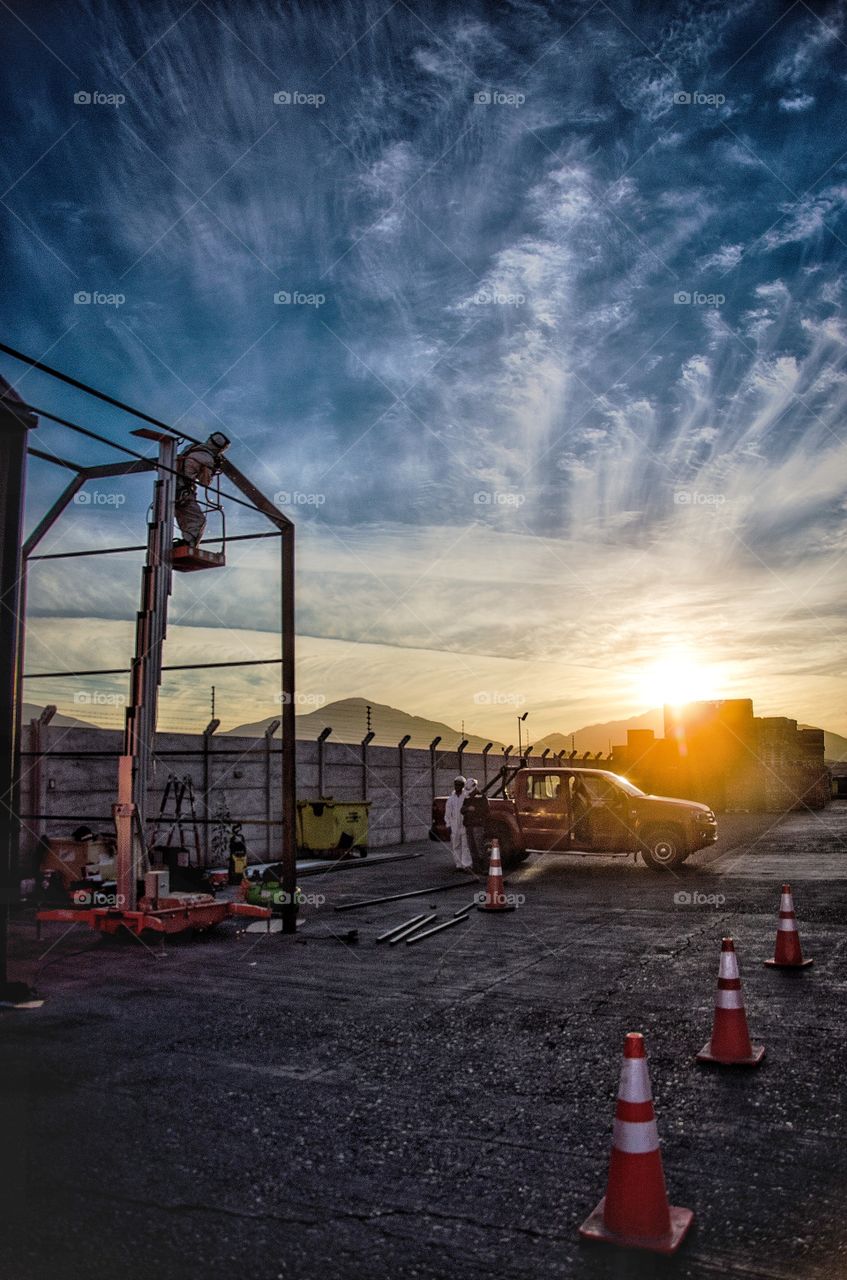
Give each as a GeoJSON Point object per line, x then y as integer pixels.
{"type": "Point", "coordinates": [458, 778]}
{"type": "Point", "coordinates": [471, 784]}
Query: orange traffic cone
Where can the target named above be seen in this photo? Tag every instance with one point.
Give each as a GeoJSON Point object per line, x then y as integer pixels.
{"type": "Point", "coordinates": [788, 954]}
{"type": "Point", "coordinates": [495, 897]}
{"type": "Point", "coordinates": [634, 1211]}
{"type": "Point", "coordinates": [730, 1043]}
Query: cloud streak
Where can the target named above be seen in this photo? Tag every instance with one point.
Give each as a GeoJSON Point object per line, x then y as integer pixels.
{"type": "Point", "coordinates": [577, 382]}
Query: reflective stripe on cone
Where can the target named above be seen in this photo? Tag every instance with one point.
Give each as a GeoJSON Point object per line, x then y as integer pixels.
{"type": "Point", "coordinates": [634, 1211]}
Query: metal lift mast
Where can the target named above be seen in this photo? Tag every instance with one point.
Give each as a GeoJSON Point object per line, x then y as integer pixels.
{"type": "Point", "coordinates": [130, 812]}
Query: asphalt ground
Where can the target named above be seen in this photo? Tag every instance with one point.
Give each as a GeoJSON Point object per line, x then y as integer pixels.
{"type": "Point", "coordinates": [244, 1105]}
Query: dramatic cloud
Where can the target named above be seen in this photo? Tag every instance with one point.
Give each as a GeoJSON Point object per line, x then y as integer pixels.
{"type": "Point", "coordinates": [555, 382]}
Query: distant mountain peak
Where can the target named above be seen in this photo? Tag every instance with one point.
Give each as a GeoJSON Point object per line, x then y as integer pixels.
{"type": "Point", "coordinates": [348, 719]}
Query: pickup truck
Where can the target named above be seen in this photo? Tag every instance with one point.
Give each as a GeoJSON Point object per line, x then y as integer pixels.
{"type": "Point", "coordinates": [574, 810]}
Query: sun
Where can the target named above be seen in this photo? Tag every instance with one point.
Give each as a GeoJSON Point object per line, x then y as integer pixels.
{"type": "Point", "coordinates": [675, 679]}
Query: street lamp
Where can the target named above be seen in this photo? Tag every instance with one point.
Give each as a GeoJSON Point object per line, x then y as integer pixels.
{"type": "Point", "coordinates": [520, 721]}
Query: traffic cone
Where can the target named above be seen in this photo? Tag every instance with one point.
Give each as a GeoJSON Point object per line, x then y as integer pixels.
{"type": "Point", "coordinates": [495, 897]}
{"type": "Point", "coordinates": [788, 954]}
{"type": "Point", "coordinates": [730, 1043]}
{"type": "Point", "coordinates": [634, 1211]}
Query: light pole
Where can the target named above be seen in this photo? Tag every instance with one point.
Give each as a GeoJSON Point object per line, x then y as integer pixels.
{"type": "Point", "coordinates": [520, 722]}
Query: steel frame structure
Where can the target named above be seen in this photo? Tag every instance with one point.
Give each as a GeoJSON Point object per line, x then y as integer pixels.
{"type": "Point", "coordinates": [147, 666]}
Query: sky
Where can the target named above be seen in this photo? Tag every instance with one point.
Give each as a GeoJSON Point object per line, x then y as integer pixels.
{"type": "Point", "coordinates": [529, 315]}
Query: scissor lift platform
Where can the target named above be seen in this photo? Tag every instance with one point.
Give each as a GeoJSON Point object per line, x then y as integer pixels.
{"type": "Point", "coordinates": [186, 559]}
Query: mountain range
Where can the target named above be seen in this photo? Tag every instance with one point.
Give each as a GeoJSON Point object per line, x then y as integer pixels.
{"type": "Point", "coordinates": [349, 718]}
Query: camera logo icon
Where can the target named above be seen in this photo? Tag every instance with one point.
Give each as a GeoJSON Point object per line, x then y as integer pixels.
{"type": "Point", "coordinates": [282, 98]}
{"type": "Point", "coordinates": [482, 98]}
{"type": "Point", "coordinates": [682, 99]}
{"type": "Point", "coordinates": [682, 898]}
{"type": "Point", "coordinates": [82, 98]}
{"type": "Point", "coordinates": [82, 298]}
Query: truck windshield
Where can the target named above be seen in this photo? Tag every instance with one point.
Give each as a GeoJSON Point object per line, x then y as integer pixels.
{"type": "Point", "coordinates": [626, 785]}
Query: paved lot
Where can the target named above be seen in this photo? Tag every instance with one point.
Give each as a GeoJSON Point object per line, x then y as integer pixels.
{"type": "Point", "coordinates": [261, 1107]}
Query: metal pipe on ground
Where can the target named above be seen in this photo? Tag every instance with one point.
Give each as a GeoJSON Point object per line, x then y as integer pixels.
{"type": "Point", "coordinates": [398, 928]}
{"type": "Point", "coordinates": [463, 910]}
{"type": "Point", "coordinates": [448, 924]}
{"type": "Point", "coordinates": [412, 893]}
{"type": "Point", "coordinates": [413, 928]}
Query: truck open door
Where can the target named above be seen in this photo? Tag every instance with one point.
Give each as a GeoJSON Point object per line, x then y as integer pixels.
{"type": "Point", "coordinates": [543, 803]}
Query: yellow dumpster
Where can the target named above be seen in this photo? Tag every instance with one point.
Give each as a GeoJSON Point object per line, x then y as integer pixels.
{"type": "Point", "coordinates": [327, 828]}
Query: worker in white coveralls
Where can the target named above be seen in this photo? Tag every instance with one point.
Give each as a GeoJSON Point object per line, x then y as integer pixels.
{"type": "Point", "coordinates": [456, 824]}
{"type": "Point", "coordinates": [197, 464]}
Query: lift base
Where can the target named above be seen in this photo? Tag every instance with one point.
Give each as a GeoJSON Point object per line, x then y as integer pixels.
{"type": "Point", "coordinates": [172, 915]}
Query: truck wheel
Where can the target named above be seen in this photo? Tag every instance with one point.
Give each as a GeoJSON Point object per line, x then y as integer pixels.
{"type": "Point", "coordinates": [663, 847]}
{"type": "Point", "coordinates": [509, 855]}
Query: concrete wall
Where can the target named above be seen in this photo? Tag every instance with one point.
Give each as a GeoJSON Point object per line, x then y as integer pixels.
{"type": "Point", "coordinates": [70, 777]}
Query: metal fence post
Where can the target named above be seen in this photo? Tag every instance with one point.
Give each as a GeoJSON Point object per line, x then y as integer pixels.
{"type": "Point", "coordinates": [322, 737]}
{"type": "Point", "coordinates": [433, 779]}
{"type": "Point", "coordinates": [368, 738]}
{"type": "Point", "coordinates": [401, 747]}
{"type": "Point", "coordinates": [211, 727]}
{"type": "Point", "coordinates": [269, 813]}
